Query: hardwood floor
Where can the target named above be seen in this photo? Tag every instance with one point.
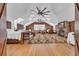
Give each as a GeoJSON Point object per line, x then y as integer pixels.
{"type": "Point", "coordinates": [50, 49]}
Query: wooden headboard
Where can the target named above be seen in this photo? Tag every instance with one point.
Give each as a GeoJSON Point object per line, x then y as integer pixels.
{"type": "Point", "coordinates": [8, 24]}
{"type": "Point", "coordinates": [31, 26]}
{"type": "Point", "coordinates": [20, 26]}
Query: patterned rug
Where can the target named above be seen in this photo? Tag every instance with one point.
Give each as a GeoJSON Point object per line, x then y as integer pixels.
{"type": "Point", "coordinates": [45, 38]}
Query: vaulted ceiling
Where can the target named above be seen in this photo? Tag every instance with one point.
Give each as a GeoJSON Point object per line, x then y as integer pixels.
{"type": "Point", "coordinates": [59, 11]}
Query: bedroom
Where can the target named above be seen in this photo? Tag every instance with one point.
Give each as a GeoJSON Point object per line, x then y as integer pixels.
{"type": "Point", "coordinates": [41, 29]}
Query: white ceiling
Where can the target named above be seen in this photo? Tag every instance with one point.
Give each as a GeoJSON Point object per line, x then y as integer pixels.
{"type": "Point", "coordinates": [59, 11]}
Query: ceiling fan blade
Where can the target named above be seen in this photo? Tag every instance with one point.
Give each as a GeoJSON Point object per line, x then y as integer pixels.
{"type": "Point", "coordinates": [33, 11]}
{"type": "Point", "coordinates": [44, 18]}
{"type": "Point", "coordinates": [43, 9]}
{"type": "Point", "coordinates": [46, 12]}
{"type": "Point", "coordinates": [38, 9]}
{"type": "Point", "coordinates": [42, 15]}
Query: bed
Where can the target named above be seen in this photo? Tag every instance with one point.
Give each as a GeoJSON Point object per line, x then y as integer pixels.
{"type": "Point", "coordinates": [13, 36]}
{"type": "Point", "coordinates": [71, 38]}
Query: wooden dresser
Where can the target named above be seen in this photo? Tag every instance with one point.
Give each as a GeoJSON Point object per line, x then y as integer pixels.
{"type": "Point", "coordinates": [2, 29]}
{"type": "Point", "coordinates": [26, 36]}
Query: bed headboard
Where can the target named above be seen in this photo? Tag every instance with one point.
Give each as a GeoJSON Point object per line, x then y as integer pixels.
{"type": "Point", "coordinates": [8, 24]}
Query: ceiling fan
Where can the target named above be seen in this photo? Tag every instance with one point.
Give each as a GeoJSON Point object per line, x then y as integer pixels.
{"type": "Point", "coordinates": [42, 12]}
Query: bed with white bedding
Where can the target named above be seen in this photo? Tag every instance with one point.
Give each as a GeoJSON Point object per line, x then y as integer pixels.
{"type": "Point", "coordinates": [13, 36]}
{"type": "Point", "coordinates": [71, 38]}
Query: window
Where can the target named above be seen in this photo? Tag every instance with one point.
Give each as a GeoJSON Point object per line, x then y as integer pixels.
{"type": "Point", "coordinates": [39, 27]}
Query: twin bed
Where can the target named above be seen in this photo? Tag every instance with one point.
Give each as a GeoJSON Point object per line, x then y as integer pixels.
{"type": "Point", "coordinates": [13, 36]}
{"type": "Point", "coordinates": [71, 38]}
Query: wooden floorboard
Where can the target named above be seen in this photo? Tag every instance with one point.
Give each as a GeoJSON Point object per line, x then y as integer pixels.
{"type": "Point", "coordinates": [50, 49]}
{"type": "Point", "coordinates": [59, 49]}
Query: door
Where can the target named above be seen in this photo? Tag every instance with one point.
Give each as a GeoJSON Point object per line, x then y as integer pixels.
{"type": "Point", "coordinates": [77, 28]}
{"type": "Point", "coordinates": [2, 29]}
